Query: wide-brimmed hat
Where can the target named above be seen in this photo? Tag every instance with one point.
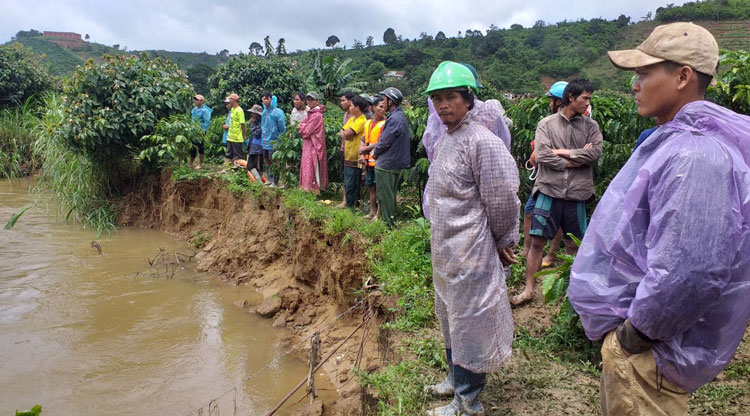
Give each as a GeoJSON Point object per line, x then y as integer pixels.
{"type": "Point", "coordinates": [256, 109]}
{"type": "Point", "coordinates": [234, 96]}
{"type": "Point", "coordinates": [682, 43]}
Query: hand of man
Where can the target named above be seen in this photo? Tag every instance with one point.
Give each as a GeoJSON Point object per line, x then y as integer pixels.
{"type": "Point", "coordinates": [632, 341]}
{"type": "Point", "coordinates": [507, 256]}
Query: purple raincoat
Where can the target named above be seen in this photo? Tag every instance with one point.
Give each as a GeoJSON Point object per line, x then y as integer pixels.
{"type": "Point", "coordinates": [490, 114]}
{"type": "Point", "coordinates": [669, 245]}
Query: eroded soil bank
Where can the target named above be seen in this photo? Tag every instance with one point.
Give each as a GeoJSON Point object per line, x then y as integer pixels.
{"type": "Point", "coordinates": [307, 278]}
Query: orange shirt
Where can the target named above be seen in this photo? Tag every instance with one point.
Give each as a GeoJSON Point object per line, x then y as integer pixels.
{"type": "Point", "coordinates": [372, 135]}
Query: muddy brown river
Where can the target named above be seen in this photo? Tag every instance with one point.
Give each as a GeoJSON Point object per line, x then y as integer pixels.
{"type": "Point", "coordinates": [83, 333]}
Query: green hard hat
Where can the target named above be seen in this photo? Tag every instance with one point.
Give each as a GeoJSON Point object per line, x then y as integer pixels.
{"type": "Point", "coordinates": [451, 75]}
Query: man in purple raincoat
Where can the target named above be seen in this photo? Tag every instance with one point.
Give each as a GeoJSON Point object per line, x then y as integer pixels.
{"type": "Point", "coordinates": [663, 273]}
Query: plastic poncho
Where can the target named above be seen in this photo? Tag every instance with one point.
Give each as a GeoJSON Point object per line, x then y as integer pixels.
{"type": "Point", "coordinates": [202, 115]}
{"type": "Point", "coordinates": [475, 212]}
{"type": "Point", "coordinates": [314, 163]}
{"type": "Point", "coordinates": [273, 123]}
{"type": "Point", "coordinates": [490, 114]}
{"type": "Point", "coordinates": [668, 245]}
{"type": "Point", "coordinates": [228, 122]}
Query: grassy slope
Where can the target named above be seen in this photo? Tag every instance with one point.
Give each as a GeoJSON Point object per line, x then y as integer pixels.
{"type": "Point", "coordinates": [730, 34]}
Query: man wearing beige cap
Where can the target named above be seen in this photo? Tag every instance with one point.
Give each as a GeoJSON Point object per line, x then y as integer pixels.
{"type": "Point", "coordinates": [663, 273]}
{"type": "Point", "coordinates": [237, 129]}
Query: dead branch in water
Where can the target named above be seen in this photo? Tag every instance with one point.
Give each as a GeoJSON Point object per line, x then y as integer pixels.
{"type": "Point", "coordinates": [95, 244]}
{"type": "Point", "coordinates": [166, 264]}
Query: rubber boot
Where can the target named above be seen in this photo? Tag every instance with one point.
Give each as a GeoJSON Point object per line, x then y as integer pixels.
{"type": "Point", "coordinates": [444, 388]}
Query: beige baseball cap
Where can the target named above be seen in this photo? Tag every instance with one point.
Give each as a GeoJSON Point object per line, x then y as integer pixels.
{"type": "Point", "coordinates": [682, 42]}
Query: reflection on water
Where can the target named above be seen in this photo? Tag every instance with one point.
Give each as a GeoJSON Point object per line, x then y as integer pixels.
{"type": "Point", "coordinates": [83, 333]}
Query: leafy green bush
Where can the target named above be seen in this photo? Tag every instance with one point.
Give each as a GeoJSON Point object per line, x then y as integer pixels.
{"type": "Point", "coordinates": [110, 107]}
{"type": "Point", "coordinates": [248, 76]}
{"type": "Point", "coordinates": [21, 75]}
{"type": "Point", "coordinates": [171, 140]}
{"type": "Point", "coordinates": [732, 89]}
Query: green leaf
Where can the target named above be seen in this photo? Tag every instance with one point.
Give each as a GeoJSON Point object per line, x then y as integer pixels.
{"type": "Point", "coordinates": [14, 218]}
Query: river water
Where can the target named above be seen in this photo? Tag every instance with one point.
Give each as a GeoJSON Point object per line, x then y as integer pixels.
{"type": "Point", "coordinates": [83, 333]}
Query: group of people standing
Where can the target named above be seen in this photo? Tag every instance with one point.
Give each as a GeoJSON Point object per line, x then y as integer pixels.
{"type": "Point", "coordinates": [375, 140]}
{"type": "Point", "coordinates": [662, 275]}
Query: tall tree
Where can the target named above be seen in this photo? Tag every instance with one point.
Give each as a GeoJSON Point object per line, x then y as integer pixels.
{"type": "Point", "coordinates": [223, 53]}
{"type": "Point", "coordinates": [358, 44]}
{"type": "Point", "coordinates": [281, 48]}
{"type": "Point", "coordinates": [256, 48]}
{"type": "Point", "coordinates": [440, 36]}
{"type": "Point", "coordinates": [369, 42]}
{"type": "Point", "coordinates": [87, 37]}
{"type": "Point", "coordinates": [332, 41]}
{"type": "Point", "coordinates": [389, 36]}
{"type": "Point", "coordinates": [268, 45]}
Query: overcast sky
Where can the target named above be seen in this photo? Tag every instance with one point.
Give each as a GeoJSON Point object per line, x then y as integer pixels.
{"type": "Point", "coordinates": [213, 25]}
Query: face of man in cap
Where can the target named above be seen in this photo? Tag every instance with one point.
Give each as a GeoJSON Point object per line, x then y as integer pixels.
{"type": "Point", "coordinates": [311, 102]}
{"type": "Point", "coordinates": [450, 105]}
{"type": "Point", "coordinates": [660, 89]}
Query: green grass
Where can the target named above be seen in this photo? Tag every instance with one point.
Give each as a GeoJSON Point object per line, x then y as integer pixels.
{"type": "Point", "coordinates": [16, 141]}
{"type": "Point", "coordinates": [82, 187]}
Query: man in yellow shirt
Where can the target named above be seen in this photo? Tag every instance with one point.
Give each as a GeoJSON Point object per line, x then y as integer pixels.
{"type": "Point", "coordinates": [237, 129]}
{"type": "Point", "coordinates": [352, 134]}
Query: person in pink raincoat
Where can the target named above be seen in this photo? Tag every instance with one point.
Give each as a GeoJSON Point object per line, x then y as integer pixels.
{"type": "Point", "coordinates": [313, 172]}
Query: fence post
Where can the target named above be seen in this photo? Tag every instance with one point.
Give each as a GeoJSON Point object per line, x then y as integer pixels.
{"type": "Point", "coordinates": [314, 360]}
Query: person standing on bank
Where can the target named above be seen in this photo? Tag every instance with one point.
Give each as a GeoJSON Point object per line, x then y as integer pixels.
{"type": "Point", "coordinates": [567, 145]}
{"type": "Point", "coordinates": [345, 102]}
{"type": "Point", "coordinates": [299, 110]}
{"type": "Point", "coordinates": [391, 154]}
{"type": "Point", "coordinates": [352, 134]}
{"type": "Point", "coordinates": [237, 130]}
{"type": "Point", "coordinates": [313, 172]}
{"type": "Point", "coordinates": [474, 227]}
{"type": "Point", "coordinates": [227, 123]}
{"type": "Point", "coordinates": [202, 114]}
{"type": "Point", "coordinates": [663, 274]}
{"type": "Point", "coordinates": [273, 124]}
{"type": "Point", "coordinates": [373, 128]}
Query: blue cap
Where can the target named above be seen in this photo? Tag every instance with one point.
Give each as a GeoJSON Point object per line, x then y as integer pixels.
{"type": "Point", "coordinates": [556, 90]}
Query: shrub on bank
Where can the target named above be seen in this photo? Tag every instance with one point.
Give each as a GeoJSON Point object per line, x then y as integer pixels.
{"type": "Point", "coordinates": [22, 75]}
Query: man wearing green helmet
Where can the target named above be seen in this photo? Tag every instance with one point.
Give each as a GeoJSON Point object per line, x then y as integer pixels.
{"type": "Point", "coordinates": [474, 225]}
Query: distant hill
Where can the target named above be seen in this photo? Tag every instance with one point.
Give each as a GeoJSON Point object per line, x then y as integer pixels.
{"type": "Point", "coordinates": [62, 60]}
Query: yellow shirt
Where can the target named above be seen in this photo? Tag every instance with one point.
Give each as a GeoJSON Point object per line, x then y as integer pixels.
{"type": "Point", "coordinates": [235, 125]}
{"type": "Point", "coordinates": [351, 146]}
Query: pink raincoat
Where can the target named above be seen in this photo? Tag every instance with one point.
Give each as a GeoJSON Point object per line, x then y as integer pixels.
{"type": "Point", "coordinates": [313, 172]}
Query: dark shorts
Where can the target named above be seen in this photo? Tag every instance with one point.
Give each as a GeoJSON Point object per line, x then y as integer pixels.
{"type": "Point", "coordinates": [267, 154]}
{"type": "Point", "coordinates": [255, 149]}
{"type": "Point", "coordinates": [529, 207]}
{"type": "Point", "coordinates": [198, 148]}
{"type": "Point", "coordinates": [370, 176]}
{"type": "Point", "coordinates": [234, 151]}
{"type": "Point", "coordinates": [550, 214]}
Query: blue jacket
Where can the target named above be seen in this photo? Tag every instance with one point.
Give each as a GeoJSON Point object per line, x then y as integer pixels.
{"type": "Point", "coordinates": [273, 123]}
{"type": "Point", "coordinates": [225, 138]}
{"type": "Point", "coordinates": [393, 151]}
{"type": "Point", "coordinates": [203, 115]}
